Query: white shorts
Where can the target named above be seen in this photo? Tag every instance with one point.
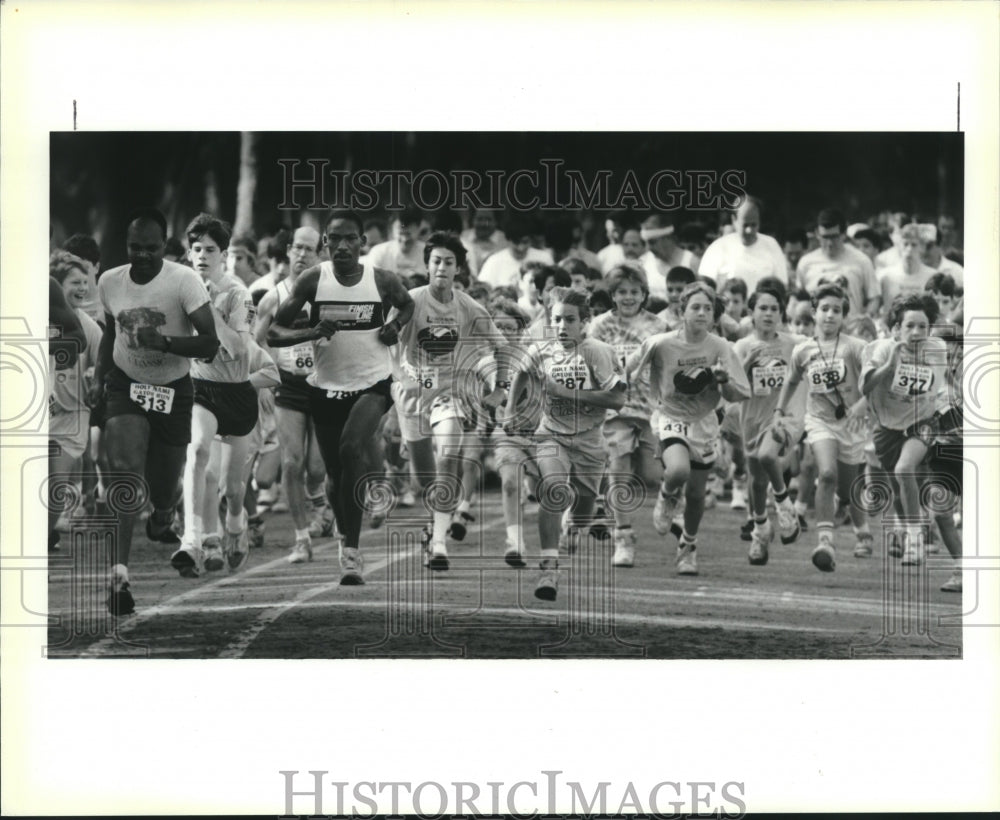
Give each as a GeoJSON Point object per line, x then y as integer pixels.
{"type": "Point", "coordinates": [625, 436]}
{"type": "Point", "coordinates": [699, 435]}
{"type": "Point", "coordinates": [70, 431]}
{"type": "Point", "coordinates": [416, 418]}
{"type": "Point", "coordinates": [850, 446]}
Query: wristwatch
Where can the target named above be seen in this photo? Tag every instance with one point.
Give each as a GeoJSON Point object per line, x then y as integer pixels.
{"type": "Point", "coordinates": [167, 344]}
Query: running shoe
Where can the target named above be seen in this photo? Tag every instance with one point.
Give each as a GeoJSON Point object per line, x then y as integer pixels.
{"type": "Point", "coordinates": [188, 560]}
{"type": "Point", "coordinates": [120, 600]}
{"type": "Point", "coordinates": [663, 512]}
{"type": "Point", "coordinates": [255, 535]}
{"type": "Point", "coordinates": [438, 556]}
{"type": "Point", "coordinates": [687, 559]}
{"type": "Point", "coordinates": [954, 583]}
{"type": "Point", "coordinates": [548, 582]}
{"type": "Point", "coordinates": [322, 525]}
{"type": "Point", "coordinates": [163, 533]}
{"type": "Point", "coordinates": [236, 546]}
{"type": "Point", "coordinates": [301, 552]}
{"type": "Point", "coordinates": [214, 557]}
{"type": "Point", "coordinates": [760, 541]}
{"type": "Point", "coordinates": [459, 525]}
{"type": "Point", "coordinates": [625, 543]}
{"type": "Point", "coordinates": [746, 530]}
{"type": "Point", "coordinates": [352, 564]}
{"type": "Point", "coordinates": [824, 557]}
{"type": "Point", "coordinates": [514, 556]}
{"type": "Point", "coordinates": [789, 526]}
{"type": "Point", "coordinates": [739, 501]}
{"type": "Point", "coordinates": [864, 546]}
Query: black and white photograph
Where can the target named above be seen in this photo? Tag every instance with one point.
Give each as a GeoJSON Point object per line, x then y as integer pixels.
{"type": "Point", "coordinates": [499, 409]}
{"type": "Point", "coordinates": [460, 495]}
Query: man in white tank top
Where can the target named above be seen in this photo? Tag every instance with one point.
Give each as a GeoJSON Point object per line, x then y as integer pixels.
{"type": "Point", "coordinates": [349, 387]}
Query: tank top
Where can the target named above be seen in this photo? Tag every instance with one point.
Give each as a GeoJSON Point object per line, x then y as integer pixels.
{"type": "Point", "coordinates": [297, 359]}
{"type": "Point", "coordinates": [353, 358]}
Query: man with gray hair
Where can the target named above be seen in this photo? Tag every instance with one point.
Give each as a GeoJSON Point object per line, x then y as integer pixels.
{"type": "Point", "coordinates": [663, 254]}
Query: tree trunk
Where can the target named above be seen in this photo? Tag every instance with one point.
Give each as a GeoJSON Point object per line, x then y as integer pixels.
{"type": "Point", "coordinates": [247, 186]}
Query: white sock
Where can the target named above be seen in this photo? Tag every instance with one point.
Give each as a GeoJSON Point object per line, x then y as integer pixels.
{"type": "Point", "coordinates": [464, 507]}
{"type": "Point", "coordinates": [550, 555]}
{"type": "Point", "coordinates": [197, 530]}
{"type": "Point", "coordinates": [302, 535]}
{"type": "Point", "coordinates": [515, 534]}
{"type": "Point", "coordinates": [235, 523]}
{"type": "Point", "coordinates": [442, 521]}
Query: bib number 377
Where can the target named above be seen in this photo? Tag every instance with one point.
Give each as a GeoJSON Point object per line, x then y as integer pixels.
{"type": "Point", "coordinates": [152, 397]}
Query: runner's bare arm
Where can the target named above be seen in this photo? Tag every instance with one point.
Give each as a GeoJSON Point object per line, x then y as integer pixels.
{"type": "Point", "coordinates": [104, 360]}
{"type": "Point", "coordinates": [265, 316]}
{"type": "Point", "coordinates": [280, 333]}
{"type": "Point", "coordinates": [202, 346]}
{"type": "Point", "coordinates": [393, 294]}
{"type": "Point", "coordinates": [880, 376]}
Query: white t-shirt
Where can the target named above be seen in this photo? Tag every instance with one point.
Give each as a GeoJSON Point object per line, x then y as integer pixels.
{"type": "Point", "coordinates": [852, 269]}
{"type": "Point", "coordinates": [953, 269]}
{"type": "Point", "coordinates": [479, 250]}
{"type": "Point", "coordinates": [657, 270]}
{"type": "Point", "coordinates": [164, 303]}
{"type": "Point", "coordinates": [728, 258]}
{"type": "Point", "coordinates": [609, 256]}
{"type": "Point", "coordinates": [389, 255]}
{"type": "Point", "coordinates": [503, 269]}
{"type": "Point", "coordinates": [896, 281]}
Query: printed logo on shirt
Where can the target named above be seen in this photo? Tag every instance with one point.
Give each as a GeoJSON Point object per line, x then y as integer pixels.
{"type": "Point", "coordinates": [133, 319]}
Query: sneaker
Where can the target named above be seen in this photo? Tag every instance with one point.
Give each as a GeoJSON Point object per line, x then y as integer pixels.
{"type": "Point", "coordinates": [438, 559]}
{"type": "Point", "coordinates": [255, 534]}
{"type": "Point", "coordinates": [739, 501]}
{"type": "Point", "coordinates": [301, 552]}
{"type": "Point", "coordinates": [188, 560]}
{"type": "Point", "coordinates": [352, 564]}
{"type": "Point", "coordinates": [953, 584]}
{"type": "Point", "coordinates": [459, 525]}
{"type": "Point", "coordinates": [789, 526]}
{"type": "Point", "coordinates": [912, 556]}
{"type": "Point", "coordinates": [407, 499]}
{"type": "Point", "coordinates": [54, 539]}
{"type": "Point", "coordinates": [865, 545]}
{"type": "Point", "coordinates": [214, 559]}
{"type": "Point", "coordinates": [663, 513]}
{"type": "Point", "coordinates": [120, 600]}
{"type": "Point", "coordinates": [164, 533]}
{"type": "Point", "coordinates": [322, 524]}
{"type": "Point", "coordinates": [599, 528]}
{"type": "Point", "coordinates": [236, 546]}
{"type": "Point", "coordinates": [548, 582]}
{"type": "Point", "coordinates": [687, 559]}
{"type": "Point", "coordinates": [894, 540]}
{"type": "Point", "coordinates": [824, 556]}
{"type": "Point", "coordinates": [514, 556]}
{"type": "Point", "coordinates": [746, 530]}
{"type": "Point", "coordinates": [760, 540]}
{"type": "Point", "coordinates": [625, 543]}
{"type": "Point", "coordinates": [803, 524]}
{"type": "Point", "coordinates": [569, 540]}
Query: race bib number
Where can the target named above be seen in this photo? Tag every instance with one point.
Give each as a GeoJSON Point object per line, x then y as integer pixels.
{"type": "Point", "coordinates": [152, 397]}
{"type": "Point", "coordinates": [571, 376]}
{"type": "Point", "coordinates": [623, 350]}
{"type": "Point", "coordinates": [301, 357]}
{"type": "Point", "coordinates": [823, 377]}
{"type": "Point", "coordinates": [666, 427]}
{"type": "Point", "coordinates": [429, 378]}
{"type": "Point", "coordinates": [767, 380]}
{"type": "Point", "coordinates": [911, 380]}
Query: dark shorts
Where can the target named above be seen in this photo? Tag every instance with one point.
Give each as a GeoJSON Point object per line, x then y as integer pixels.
{"type": "Point", "coordinates": [293, 392]}
{"type": "Point", "coordinates": [234, 405]}
{"type": "Point", "coordinates": [173, 428]}
{"type": "Point", "coordinates": [945, 456]}
{"type": "Point", "coordinates": [889, 443]}
{"type": "Point", "coordinates": [332, 409]}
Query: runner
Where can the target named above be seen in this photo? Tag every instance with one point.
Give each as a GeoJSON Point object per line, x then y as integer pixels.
{"type": "Point", "coordinates": [906, 381]}
{"type": "Point", "coordinates": [691, 369]}
{"type": "Point", "coordinates": [632, 448]}
{"type": "Point", "coordinates": [662, 254]}
{"type": "Point", "coordinates": [440, 352]}
{"type": "Point", "coordinates": [349, 391]}
{"type": "Point", "coordinates": [765, 355]}
{"type": "Point", "coordinates": [153, 309]}
{"type": "Point", "coordinates": [225, 404]}
{"type": "Point", "coordinates": [581, 380]}
{"type": "Point", "coordinates": [299, 469]}
{"type": "Point", "coordinates": [830, 364]}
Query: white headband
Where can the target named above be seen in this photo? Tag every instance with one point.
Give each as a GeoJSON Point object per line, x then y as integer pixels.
{"type": "Point", "coordinates": [648, 234]}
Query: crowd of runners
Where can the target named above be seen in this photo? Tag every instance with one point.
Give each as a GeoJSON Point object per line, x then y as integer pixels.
{"type": "Point", "coordinates": [358, 368]}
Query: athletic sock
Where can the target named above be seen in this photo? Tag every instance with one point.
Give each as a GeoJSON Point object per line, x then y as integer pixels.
{"type": "Point", "coordinates": [442, 521]}
{"type": "Point", "coordinates": [303, 534]}
{"type": "Point", "coordinates": [779, 497]}
{"type": "Point", "coordinates": [515, 535]}
{"type": "Point", "coordinates": [235, 523]}
{"type": "Point", "coordinates": [463, 507]}
{"type": "Point", "coordinates": [690, 540]}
